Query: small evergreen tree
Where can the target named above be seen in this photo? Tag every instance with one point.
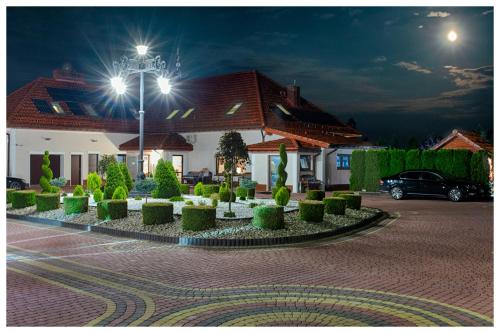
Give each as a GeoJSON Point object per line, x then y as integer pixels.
{"type": "Point", "coordinates": [167, 184]}
{"type": "Point", "coordinates": [120, 193]}
{"type": "Point", "coordinates": [126, 176]}
{"type": "Point", "coordinates": [145, 186]}
{"type": "Point", "coordinates": [47, 175]}
{"type": "Point", "coordinates": [104, 162]}
{"type": "Point", "coordinates": [93, 182]}
{"type": "Point", "coordinates": [282, 174]}
{"type": "Point", "coordinates": [114, 178]}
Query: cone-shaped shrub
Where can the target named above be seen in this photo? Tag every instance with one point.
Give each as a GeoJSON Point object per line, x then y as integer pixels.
{"type": "Point", "coordinates": [335, 205]}
{"type": "Point", "coordinates": [98, 196]}
{"type": "Point", "coordinates": [311, 210]}
{"type": "Point", "coordinates": [22, 199]}
{"type": "Point", "coordinates": [120, 193]}
{"type": "Point", "coordinates": [196, 218]}
{"type": "Point", "coordinates": [114, 178]}
{"type": "Point", "coordinates": [353, 201]}
{"type": "Point", "coordinates": [282, 197]}
{"type": "Point", "coordinates": [47, 201]}
{"type": "Point", "coordinates": [157, 213]}
{"type": "Point", "coordinates": [129, 184]}
{"type": "Point", "coordinates": [315, 195]}
{"type": "Point", "coordinates": [167, 184]}
{"type": "Point", "coordinates": [198, 189]}
{"type": "Point", "coordinates": [78, 191]}
{"type": "Point", "coordinates": [268, 217]}
{"type": "Point", "coordinates": [94, 182]}
{"type": "Point", "coordinates": [76, 205]}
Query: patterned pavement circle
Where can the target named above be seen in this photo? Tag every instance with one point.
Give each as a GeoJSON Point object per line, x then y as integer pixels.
{"type": "Point", "coordinates": [258, 305]}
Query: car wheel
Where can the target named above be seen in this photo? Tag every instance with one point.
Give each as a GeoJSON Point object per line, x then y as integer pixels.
{"type": "Point", "coordinates": [16, 185]}
{"type": "Point", "coordinates": [397, 193]}
{"type": "Point", "coordinates": [455, 195]}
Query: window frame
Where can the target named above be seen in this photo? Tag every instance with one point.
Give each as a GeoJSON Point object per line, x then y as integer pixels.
{"type": "Point", "coordinates": [342, 156]}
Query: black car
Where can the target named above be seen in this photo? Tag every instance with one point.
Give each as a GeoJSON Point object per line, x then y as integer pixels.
{"type": "Point", "coordinates": [17, 183]}
{"type": "Point", "coordinates": [429, 183]}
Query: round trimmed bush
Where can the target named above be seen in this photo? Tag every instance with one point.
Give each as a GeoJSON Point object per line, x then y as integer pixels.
{"type": "Point", "coordinates": [241, 192]}
{"type": "Point", "coordinates": [76, 204]}
{"type": "Point", "coordinates": [198, 189]}
{"type": "Point", "coordinates": [184, 188]}
{"type": "Point", "coordinates": [353, 201]}
{"type": "Point", "coordinates": [339, 193]}
{"type": "Point", "coordinates": [10, 191]}
{"type": "Point", "coordinates": [268, 217]}
{"type": "Point", "coordinates": [251, 193]}
{"type": "Point", "coordinates": [317, 195]}
{"type": "Point", "coordinates": [111, 209]}
{"type": "Point", "coordinates": [311, 210]}
{"type": "Point", "coordinates": [22, 199]}
{"type": "Point", "coordinates": [157, 213]}
{"type": "Point", "coordinates": [198, 218]}
{"type": "Point", "coordinates": [335, 205]}
{"type": "Point", "coordinates": [208, 190]}
{"type": "Point", "coordinates": [47, 201]}
{"type": "Point", "coordinates": [282, 196]}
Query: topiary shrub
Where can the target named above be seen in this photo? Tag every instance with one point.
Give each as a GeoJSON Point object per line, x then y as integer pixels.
{"type": "Point", "coordinates": [102, 210]}
{"type": "Point", "coordinates": [225, 195]}
{"type": "Point", "coordinates": [315, 195]}
{"type": "Point", "coordinates": [47, 175]}
{"type": "Point", "coordinates": [184, 188]}
{"type": "Point", "coordinates": [47, 201]}
{"type": "Point", "coordinates": [76, 205]}
{"type": "Point", "coordinates": [282, 174]}
{"type": "Point", "coordinates": [251, 193]}
{"type": "Point", "coordinates": [339, 193]}
{"type": "Point", "coordinates": [167, 184]}
{"type": "Point", "coordinates": [196, 218]}
{"type": "Point", "coordinates": [311, 210]}
{"type": "Point", "coordinates": [268, 217]}
{"type": "Point", "coordinates": [120, 193]}
{"type": "Point", "coordinates": [198, 189]}
{"type": "Point", "coordinates": [177, 198]}
{"type": "Point", "coordinates": [22, 199]}
{"type": "Point", "coordinates": [241, 192]}
{"type": "Point", "coordinates": [282, 196]}
{"type": "Point", "coordinates": [78, 191]}
{"type": "Point", "coordinates": [335, 205]}
{"type": "Point", "coordinates": [114, 178]}
{"type": "Point", "coordinates": [129, 183]}
{"type": "Point", "coordinates": [353, 201]}
{"type": "Point", "coordinates": [357, 177]}
{"type": "Point", "coordinates": [214, 196]}
{"type": "Point", "coordinates": [209, 189]}
{"type": "Point", "coordinates": [94, 182]}
{"type": "Point", "coordinates": [98, 196]}
{"type": "Point", "coordinates": [157, 213]}
{"type": "Point", "coordinates": [145, 186]}
{"type": "Point", "coordinates": [112, 209]}
{"type": "Point", "coordinates": [413, 159]}
{"type": "Point", "coordinates": [215, 202]}
{"type": "Point", "coordinates": [10, 191]}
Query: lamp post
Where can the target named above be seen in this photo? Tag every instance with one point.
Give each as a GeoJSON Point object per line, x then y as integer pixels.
{"type": "Point", "coordinates": [141, 64]}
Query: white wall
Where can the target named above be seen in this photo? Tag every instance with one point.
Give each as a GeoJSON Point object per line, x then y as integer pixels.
{"type": "Point", "coordinates": [260, 168]}
{"type": "Point", "coordinates": [31, 141]}
{"type": "Point", "coordinates": [334, 176]}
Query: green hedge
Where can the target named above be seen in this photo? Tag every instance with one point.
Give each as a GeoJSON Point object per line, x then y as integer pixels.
{"type": "Point", "coordinates": [47, 201]}
{"type": "Point", "coordinates": [10, 191]}
{"type": "Point", "coordinates": [184, 188]}
{"type": "Point", "coordinates": [397, 161]}
{"type": "Point", "coordinates": [357, 170]}
{"type": "Point", "coordinates": [311, 210]}
{"type": "Point", "coordinates": [353, 201]}
{"type": "Point", "coordinates": [384, 162]}
{"type": "Point", "coordinates": [315, 195]}
{"type": "Point", "coordinates": [112, 209]}
{"type": "Point", "coordinates": [372, 171]}
{"type": "Point", "coordinates": [196, 218]}
{"type": "Point", "coordinates": [335, 205]}
{"type": "Point", "coordinates": [339, 193]}
{"type": "Point", "coordinates": [268, 217]}
{"type": "Point", "coordinates": [209, 189]}
{"type": "Point", "coordinates": [444, 161]}
{"type": "Point", "coordinates": [412, 159]}
{"type": "Point", "coordinates": [461, 163]}
{"type": "Point", "coordinates": [428, 159]}
{"type": "Point", "coordinates": [479, 167]}
{"type": "Point", "coordinates": [157, 213]}
{"type": "Point", "coordinates": [76, 204]}
{"type": "Point", "coordinates": [22, 199]}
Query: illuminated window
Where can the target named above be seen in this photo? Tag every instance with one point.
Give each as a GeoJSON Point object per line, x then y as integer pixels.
{"type": "Point", "coordinates": [282, 108]}
{"type": "Point", "coordinates": [89, 109]}
{"type": "Point", "coordinates": [235, 108]}
{"type": "Point", "coordinates": [343, 162]}
{"type": "Point", "coordinates": [57, 107]}
{"type": "Point", "coordinates": [305, 163]}
{"type": "Point", "coordinates": [171, 115]}
{"type": "Point", "coordinates": [187, 113]}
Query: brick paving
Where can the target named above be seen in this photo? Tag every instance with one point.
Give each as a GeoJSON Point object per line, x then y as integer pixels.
{"type": "Point", "coordinates": [431, 264]}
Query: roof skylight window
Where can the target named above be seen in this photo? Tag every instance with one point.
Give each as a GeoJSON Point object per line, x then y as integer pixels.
{"type": "Point", "coordinates": [187, 113]}
{"type": "Point", "coordinates": [235, 108]}
{"type": "Point", "coordinates": [42, 106]}
{"type": "Point", "coordinates": [172, 114]}
{"type": "Point", "coordinates": [89, 109]}
{"type": "Point", "coordinates": [57, 108]}
{"type": "Point", "coordinates": [282, 108]}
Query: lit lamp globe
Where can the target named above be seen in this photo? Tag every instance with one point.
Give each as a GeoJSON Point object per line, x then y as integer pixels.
{"type": "Point", "coordinates": [164, 84]}
{"type": "Point", "coordinates": [119, 85]}
{"type": "Point", "coordinates": [142, 49]}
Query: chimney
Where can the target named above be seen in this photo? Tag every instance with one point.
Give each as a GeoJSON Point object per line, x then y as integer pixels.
{"type": "Point", "coordinates": [293, 95]}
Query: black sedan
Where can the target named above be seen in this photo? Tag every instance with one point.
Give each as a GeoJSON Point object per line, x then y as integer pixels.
{"type": "Point", "coordinates": [17, 183]}
{"type": "Point", "coordinates": [429, 183]}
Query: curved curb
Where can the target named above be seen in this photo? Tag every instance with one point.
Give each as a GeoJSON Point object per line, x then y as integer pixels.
{"type": "Point", "coordinates": [205, 242]}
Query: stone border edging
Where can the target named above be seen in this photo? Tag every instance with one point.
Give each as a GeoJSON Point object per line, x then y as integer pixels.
{"type": "Point", "coordinates": [204, 242]}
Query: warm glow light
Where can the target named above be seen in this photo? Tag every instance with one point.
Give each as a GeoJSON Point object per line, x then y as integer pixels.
{"type": "Point", "coordinates": [452, 36]}
{"type": "Point", "coordinates": [142, 49]}
{"type": "Point", "coordinates": [164, 84]}
{"type": "Point", "coordinates": [119, 85]}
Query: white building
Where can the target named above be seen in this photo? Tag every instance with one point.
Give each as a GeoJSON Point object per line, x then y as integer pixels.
{"type": "Point", "coordinates": [78, 123]}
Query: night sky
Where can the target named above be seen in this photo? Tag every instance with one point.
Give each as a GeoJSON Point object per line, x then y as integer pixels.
{"type": "Point", "coordinates": [392, 69]}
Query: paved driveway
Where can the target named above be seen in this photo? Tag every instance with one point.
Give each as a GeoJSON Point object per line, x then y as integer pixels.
{"type": "Point", "coordinates": [430, 264]}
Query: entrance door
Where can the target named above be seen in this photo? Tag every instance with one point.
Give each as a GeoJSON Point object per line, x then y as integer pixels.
{"type": "Point", "coordinates": [178, 163]}
{"type": "Point", "coordinates": [76, 169]}
{"type": "Point", "coordinates": [36, 167]}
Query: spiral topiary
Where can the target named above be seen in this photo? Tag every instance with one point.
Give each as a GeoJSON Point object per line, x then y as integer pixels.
{"type": "Point", "coordinates": [47, 175]}
{"type": "Point", "coordinates": [282, 174]}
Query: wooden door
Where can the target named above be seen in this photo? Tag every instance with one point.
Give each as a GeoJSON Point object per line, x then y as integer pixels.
{"type": "Point", "coordinates": [76, 169]}
{"type": "Point", "coordinates": [36, 167]}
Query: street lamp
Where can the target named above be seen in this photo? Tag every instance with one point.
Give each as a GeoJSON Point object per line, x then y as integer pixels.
{"type": "Point", "coordinates": [141, 64]}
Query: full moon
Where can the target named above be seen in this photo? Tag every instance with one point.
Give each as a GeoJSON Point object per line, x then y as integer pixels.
{"type": "Point", "coordinates": [452, 36]}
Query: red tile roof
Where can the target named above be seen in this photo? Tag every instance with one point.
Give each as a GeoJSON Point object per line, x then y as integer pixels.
{"type": "Point", "coordinates": [211, 98]}
{"type": "Point", "coordinates": [274, 145]}
{"type": "Point", "coordinates": [171, 141]}
{"type": "Point", "coordinates": [464, 139]}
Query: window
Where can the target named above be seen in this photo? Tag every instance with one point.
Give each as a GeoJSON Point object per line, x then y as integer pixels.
{"type": "Point", "coordinates": [89, 109]}
{"type": "Point", "coordinates": [235, 108]}
{"type": "Point", "coordinates": [305, 163]}
{"type": "Point", "coordinates": [343, 162]}
{"type": "Point", "coordinates": [172, 114]}
{"type": "Point", "coordinates": [219, 166]}
{"type": "Point", "coordinates": [93, 162]}
{"type": "Point", "coordinates": [410, 175]}
{"type": "Point", "coordinates": [75, 108]}
{"type": "Point", "coordinates": [121, 158]}
{"type": "Point", "coordinates": [42, 106]}
{"type": "Point", "coordinates": [282, 108]}
{"type": "Point", "coordinates": [187, 113]}
{"type": "Point", "coordinates": [430, 176]}
{"type": "Point", "coordinates": [57, 107]}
